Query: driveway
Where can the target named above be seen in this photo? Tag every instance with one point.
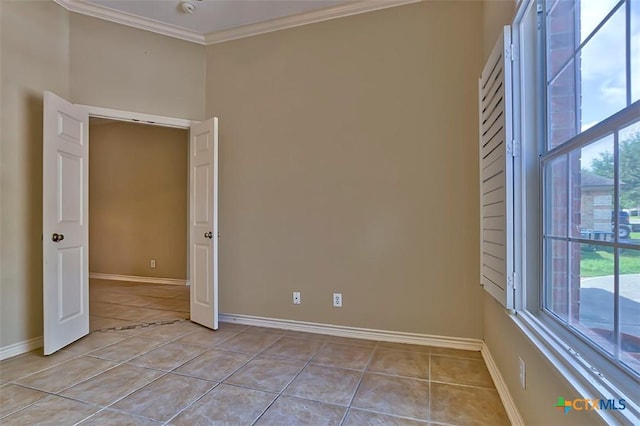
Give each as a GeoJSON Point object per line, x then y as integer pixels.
{"type": "Point", "coordinates": [596, 303]}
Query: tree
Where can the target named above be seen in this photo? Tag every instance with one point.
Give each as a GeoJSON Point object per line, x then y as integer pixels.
{"type": "Point", "coordinates": [603, 166]}
{"type": "Point", "coordinates": [629, 153]}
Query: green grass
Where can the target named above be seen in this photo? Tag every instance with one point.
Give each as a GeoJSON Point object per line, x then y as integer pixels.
{"type": "Point", "coordinates": [600, 263]}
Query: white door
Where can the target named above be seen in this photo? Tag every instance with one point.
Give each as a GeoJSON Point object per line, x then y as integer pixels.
{"type": "Point", "coordinates": [203, 222]}
{"type": "Point", "coordinates": [65, 227]}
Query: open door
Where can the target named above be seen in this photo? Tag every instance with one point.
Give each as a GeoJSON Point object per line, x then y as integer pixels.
{"type": "Point", "coordinates": [65, 240]}
{"type": "Point", "coordinates": [203, 222]}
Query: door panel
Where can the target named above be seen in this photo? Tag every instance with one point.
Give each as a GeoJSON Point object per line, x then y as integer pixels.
{"type": "Point", "coordinates": [70, 171]}
{"type": "Point", "coordinates": [70, 283]}
{"type": "Point", "coordinates": [65, 227]}
{"type": "Point", "coordinates": [202, 269]}
{"type": "Point", "coordinates": [203, 222]}
{"type": "Point", "coordinates": [203, 200]}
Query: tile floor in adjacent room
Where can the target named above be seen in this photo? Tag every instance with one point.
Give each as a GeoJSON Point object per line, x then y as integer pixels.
{"type": "Point", "coordinates": [185, 374]}
{"type": "Point", "coordinates": [122, 303]}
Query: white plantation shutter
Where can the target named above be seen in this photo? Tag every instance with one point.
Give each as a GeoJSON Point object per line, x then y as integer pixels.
{"type": "Point", "coordinates": [496, 173]}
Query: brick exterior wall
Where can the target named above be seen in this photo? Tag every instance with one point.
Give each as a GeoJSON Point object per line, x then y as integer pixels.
{"type": "Point", "coordinates": [563, 123]}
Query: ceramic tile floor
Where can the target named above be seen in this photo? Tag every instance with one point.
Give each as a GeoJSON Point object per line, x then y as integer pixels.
{"type": "Point", "coordinates": [122, 303]}
{"type": "Point", "coordinates": [185, 374]}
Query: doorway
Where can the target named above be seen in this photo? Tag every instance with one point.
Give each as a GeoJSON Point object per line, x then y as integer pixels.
{"type": "Point", "coordinates": [138, 245]}
{"type": "Point", "coordinates": [65, 169]}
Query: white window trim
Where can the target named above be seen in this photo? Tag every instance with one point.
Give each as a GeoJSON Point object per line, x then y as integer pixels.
{"type": "Point", "coordinates": [583, 377]}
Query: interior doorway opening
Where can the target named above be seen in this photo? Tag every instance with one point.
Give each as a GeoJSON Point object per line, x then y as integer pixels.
{"type": "Point", "coordinates": [138, 223]}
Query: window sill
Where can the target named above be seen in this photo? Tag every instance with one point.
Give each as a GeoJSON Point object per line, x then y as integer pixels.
{"type": "Point", "coordinates": [583, 377]}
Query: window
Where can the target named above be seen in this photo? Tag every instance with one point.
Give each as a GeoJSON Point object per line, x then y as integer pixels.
{"type": "Point", "coordinates": [590, 166]}
{"type": "Point", "coordinates": [559, 160]}
{"type": "Point", "coordinates": [573, 210]}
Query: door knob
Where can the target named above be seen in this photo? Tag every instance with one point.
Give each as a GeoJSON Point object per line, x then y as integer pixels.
{"type": "Point", "coordinates": [56, 238]}
{"type": "Point", "coordinates": [208, 235]}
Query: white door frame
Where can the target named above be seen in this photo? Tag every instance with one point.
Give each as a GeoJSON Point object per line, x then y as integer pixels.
{"type": "Point", "coordinates": [153, 120]}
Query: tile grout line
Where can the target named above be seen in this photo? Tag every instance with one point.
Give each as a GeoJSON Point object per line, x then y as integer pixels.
{"type": "Point", "coordinates": [105, 407]}
{"type": "Point", "coordinates": [465, 385]}
{"type": "Point", "coordinates": [227, 376]}
{"type": "Point", "coordinates": [165, 373]}
{"type": "Point", "coordinates": [280, 393]}
{"type": "Point", "coordinates": [28, 405]}
{"type": "Point", "coordinates": [364, 372]}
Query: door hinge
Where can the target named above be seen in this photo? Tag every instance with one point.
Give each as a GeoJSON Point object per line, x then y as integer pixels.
{"type": "Point", "coordinates": [513, 148]}
{"type": "Point", "coordinates": [514, 280]}
{"type": "Point", "coordinates": [513, 52]}
{"type": "Point", "coordinates": [511, 281]}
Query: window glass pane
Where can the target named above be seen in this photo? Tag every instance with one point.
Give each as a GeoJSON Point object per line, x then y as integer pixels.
{"type": "Point", "coordinates": [561, 36]}
{"type": "Point", "coordinates": [630, 308]}
{"type": "Point", "coordinates": [629, 155]}
{"type": "Point", "coordinates": [592, 191]}
{"type": "Point", "coordinates": [556, 211]}
{"type": "Point", "coordinates": [562, 106]}
{"type": "Point", "coordinates": [591, 268]}
{"type": "Point", "coordinates": [602, 73]}
{"type": "Point", "coordinates": [592, 12]}
{"type": "Point", "coordinates": [557, 275]}
{"type": "Point", "coordinates": [594, 300]}
{"type": "Point", "coordinates": [635, 50]}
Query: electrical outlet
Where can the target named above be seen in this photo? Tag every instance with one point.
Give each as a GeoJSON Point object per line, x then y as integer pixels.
{"type": "Point", "coordinates": [523, 373]}
{"type": "Point", "coordinates": [153, 263]}
{"type": "Point", "coordinates": [296, 297]}
{"type": "Point", "coordinates": [337, 300]}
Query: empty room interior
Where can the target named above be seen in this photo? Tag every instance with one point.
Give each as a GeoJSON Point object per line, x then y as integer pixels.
{"type": "Point", "coordinates": [354, 263]}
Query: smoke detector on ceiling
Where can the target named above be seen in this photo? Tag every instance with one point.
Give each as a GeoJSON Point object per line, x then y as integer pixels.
{"type": "Point", "coordinates": [188, 7]}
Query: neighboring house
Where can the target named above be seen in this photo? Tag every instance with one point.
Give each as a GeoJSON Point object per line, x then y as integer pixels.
{"type": "Point", "coordinates": [596, 202]}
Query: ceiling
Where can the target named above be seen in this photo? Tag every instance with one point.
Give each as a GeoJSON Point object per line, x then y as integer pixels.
{"type": "Point", "coordinates": [214, 21]}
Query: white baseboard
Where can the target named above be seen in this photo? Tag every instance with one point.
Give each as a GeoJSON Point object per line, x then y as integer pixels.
{"type": "Point", "coordinates": [134, 278]}
{"type": "Point", "coordinates": [501, 387]}
{"type": "Point", "coordinates": [20, 348]}
{"type": "Point", "coordinates": [355, 332]}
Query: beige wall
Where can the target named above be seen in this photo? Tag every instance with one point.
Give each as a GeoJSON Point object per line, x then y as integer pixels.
{"type": "Point", "coordinates": [505, 340]}
{"type": "Point", "coordinates": [138, 200]}
{"type": "Point", "coordinates": [125, 68]}
{"type": "Point", "coordinates": [88, 61]}
{"type": "Point", "coordinates": [544, 382]}
{"type": "Point", "coordinates": [496, 14]}
{"type": "Point", "coordinates": [348, 163]}
{"type": "Point", "coordinates": [35, 58]}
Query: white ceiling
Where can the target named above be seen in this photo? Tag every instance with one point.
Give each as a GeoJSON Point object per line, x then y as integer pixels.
{"type": "Point", "coordinates": [220, 20]}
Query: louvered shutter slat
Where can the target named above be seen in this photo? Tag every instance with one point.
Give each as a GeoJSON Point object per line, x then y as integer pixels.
{"type": "Point", "coordinates": [496, 174]}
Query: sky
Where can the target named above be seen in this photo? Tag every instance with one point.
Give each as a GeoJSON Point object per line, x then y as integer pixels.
{"type": "Point", "coordinates": [603, 59]}
{"type": "Point", "coordinates": [603, 70]}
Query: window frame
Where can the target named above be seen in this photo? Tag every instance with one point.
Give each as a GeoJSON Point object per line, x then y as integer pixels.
{"type": "Point", "coordinates": [608, 126]}
{"type": "Point", "coordinates": [588, 371]}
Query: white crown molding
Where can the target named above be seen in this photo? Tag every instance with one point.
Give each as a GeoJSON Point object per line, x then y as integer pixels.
{"type": "Point", "coordinates": [138, 279]}
{"type": "Point", "coordinates": [130, 20]}
{"type": "Point", "coordinates": [354, 8]}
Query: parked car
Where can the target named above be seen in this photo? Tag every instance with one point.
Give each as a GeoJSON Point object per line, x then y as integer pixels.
{"type": "Point", "coordinates": [624, 226]}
